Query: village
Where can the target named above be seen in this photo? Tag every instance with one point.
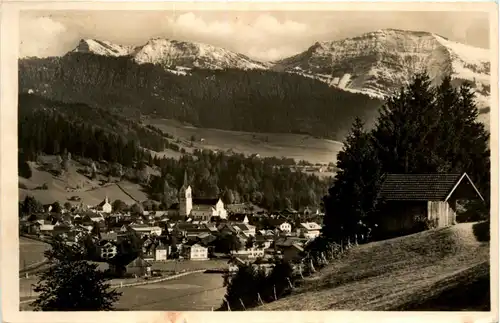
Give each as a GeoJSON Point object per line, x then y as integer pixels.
{"type": "Point", "coordinates": [195, 229]}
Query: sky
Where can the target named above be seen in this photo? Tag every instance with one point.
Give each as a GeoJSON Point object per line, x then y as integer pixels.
{"type": "Point", "coordinates": [264, 36]}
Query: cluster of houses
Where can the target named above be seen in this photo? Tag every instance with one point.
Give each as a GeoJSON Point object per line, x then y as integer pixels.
{"type": "Point", "coordinates": [195, 223]}
{"type": "Point", "coordinates": [192, 228]}
{"type": "Point", "coordinates": [195, 238]}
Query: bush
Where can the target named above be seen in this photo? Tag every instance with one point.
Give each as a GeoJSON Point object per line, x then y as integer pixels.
{"type": "Point", "coordinates": [44, 187]}
{"type": "Point", "coordinates": [24, 169]}
{"type": "Point", "coordinates": [482, 231]}
{"type": "Point", "coordinates": [250, 282]}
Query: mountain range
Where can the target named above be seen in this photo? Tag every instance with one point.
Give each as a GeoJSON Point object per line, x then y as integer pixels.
{"type": "Point", "coordinates": [173, 53]}
{"type": "Point", "coordinates": [374, 63]}
{"type": "Point", "coordinates": [322, 88]}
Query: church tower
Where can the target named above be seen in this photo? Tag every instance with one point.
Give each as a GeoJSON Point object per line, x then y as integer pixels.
{"type": "Point", "coordinates": [185, 198]}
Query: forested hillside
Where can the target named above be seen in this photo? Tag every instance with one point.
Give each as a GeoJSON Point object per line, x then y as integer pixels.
{"type": "Point", "coordinates": [267, 182]}
{"type": "Point", "coordinates": [259, 101]}
{"type": "Point", "coordinates": [52, 127]}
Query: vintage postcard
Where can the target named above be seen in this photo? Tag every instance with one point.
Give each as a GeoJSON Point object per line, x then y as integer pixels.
{"type": "Point", "coordinates": [184, 161]}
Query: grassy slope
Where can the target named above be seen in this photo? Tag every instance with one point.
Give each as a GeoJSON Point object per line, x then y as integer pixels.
{"type": "Point", "coordinates": [445, 269]}
{"type": "Point", "coordinates": [279, 145]}
{"type": "Point", "coordinates": [73, 183]}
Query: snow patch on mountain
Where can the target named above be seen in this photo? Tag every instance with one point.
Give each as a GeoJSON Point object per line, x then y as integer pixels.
{"type": "Point", "coordinates": [380, 62]}
{"type": "Point", "coordinates": [470, 63]}
{"type": "Point", "coordinates": [173, 55]}
{"type": "Point", "coordinates": [168, 53]}
{"type": "Point", "coordinates": [101, 47]}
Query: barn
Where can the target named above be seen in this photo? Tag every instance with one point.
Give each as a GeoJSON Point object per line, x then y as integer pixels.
{"type": "Point", "coordinates": [409, 200]}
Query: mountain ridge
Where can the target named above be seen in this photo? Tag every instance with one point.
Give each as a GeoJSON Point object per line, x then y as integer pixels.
{"type": "Point", "coordinates": [229, 99]}
{"type": "Point", "coordinates": [173, 54]}
{"type": "Point", "coordinates": [378, 63]}
{"type": "Point", "coordinates": [374, 63]}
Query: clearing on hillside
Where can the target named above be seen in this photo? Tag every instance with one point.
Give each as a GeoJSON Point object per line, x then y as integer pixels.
{"type": "Point", "coordinates": [299, 147]}
{"type": "Point", "coordinates": [72, 183]}
{"type": "Point", "coordinates": [441, 269]}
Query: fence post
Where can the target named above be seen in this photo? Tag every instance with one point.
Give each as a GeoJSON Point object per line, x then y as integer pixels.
{"type": "Point", "coordinates": [274, 289]}
{"type": "Point", "coordinates": [312, 266]}
{"type": "Point", "coordinates": [260, 299]}
{"type": "Point", "coordinates": [228, 306]}
{"type": "Point", "coordinates": [289, 282]}
{"type": "Point", "coordinates": [242, 304]}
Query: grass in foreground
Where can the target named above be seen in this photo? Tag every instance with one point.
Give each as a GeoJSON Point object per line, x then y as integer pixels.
{"type": "Point", "coordinates": [423, 271]}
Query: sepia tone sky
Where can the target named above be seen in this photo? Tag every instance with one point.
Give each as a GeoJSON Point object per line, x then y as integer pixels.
{"type": "Point", "coordinates": [260, 35]}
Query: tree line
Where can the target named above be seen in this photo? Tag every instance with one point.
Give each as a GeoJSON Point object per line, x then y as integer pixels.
{"type": "Point", "coordinates": [237, 179]}
{"type": "Point", "coordinates": [231, 99]}
{"type": "Point", "coordinates": [53, 128]}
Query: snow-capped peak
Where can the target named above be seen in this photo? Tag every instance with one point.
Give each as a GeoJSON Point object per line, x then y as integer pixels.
{"type": "Point", "coordinates": [102, 47]}
{"type": "Point", "coordinates": [379, 62]}
{"type": "Point", "coordinates": [169, 52]}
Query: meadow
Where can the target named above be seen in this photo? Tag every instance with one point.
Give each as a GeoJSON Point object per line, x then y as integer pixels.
{"type": "Point", "coordinates": [297, 146]}
{"type": "Point", "coordinates": [440, 269]}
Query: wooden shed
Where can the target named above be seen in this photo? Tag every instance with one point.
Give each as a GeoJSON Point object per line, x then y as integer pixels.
{"type": "Point", "coordinates": [408, 200]}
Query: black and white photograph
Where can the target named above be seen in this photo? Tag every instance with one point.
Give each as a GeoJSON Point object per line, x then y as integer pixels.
{"type": "Point", "coordinates": [255, 160]}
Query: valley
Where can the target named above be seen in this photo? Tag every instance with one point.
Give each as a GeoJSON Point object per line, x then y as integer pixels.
{"type": "Point", "coordinates": [306, 180]}
{"type": "Point", "coordinates": [298, 147]}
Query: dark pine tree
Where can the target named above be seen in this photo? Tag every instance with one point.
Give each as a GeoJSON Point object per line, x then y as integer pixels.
{"type": "Point", "coordinates": [421, 129]}
{"type": "Point", "coordinates": [71, 283]}
{"type": "Point", "coordinates": [352, 199]}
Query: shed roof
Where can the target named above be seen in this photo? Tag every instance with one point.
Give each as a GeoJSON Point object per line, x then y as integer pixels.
{"type": "Point", "coordinates": [421, 187]}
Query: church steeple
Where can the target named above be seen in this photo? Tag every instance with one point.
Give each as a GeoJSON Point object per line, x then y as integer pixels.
{"type": "Point", "coordinates": [185, 184]}
{"type": "Point", "coordinates": [185, 198]}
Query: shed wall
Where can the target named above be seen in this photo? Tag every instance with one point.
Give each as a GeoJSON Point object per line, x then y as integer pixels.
{"type": "Point", "coordinates": [401, 217]}
{"type": "Point", "coordinates": [441, 213]}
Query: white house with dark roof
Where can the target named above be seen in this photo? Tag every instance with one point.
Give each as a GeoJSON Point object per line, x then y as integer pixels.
{"type": "Point", "coordinates": [205, 209]}
{"type": "Point", "coordinates": [309, 230]}
{"type": "Point", "coordinates": [105, 206]}
{"type": "Point", "coordinates": [195, 251]}
{"type": "Point", "coordinates": [247, 229]}
{"type": "Point", "coordinates": [143, 229]}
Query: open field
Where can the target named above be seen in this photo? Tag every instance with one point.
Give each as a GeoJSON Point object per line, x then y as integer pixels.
{"type": "Point", "coordinates": [195, 292]}
{"type": "Point", "coordinates": [26, 289]}
{"type": "Point", "coordinates": [31, 252]}
{"type": "Point", "coordinates": [299, 147]}
{"type": "Point", "coordinates": [190, 265]}
{"type": "Point", "coordinates": [423, 271]}
{"type": "Point", "coordinates": [61, 188]}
